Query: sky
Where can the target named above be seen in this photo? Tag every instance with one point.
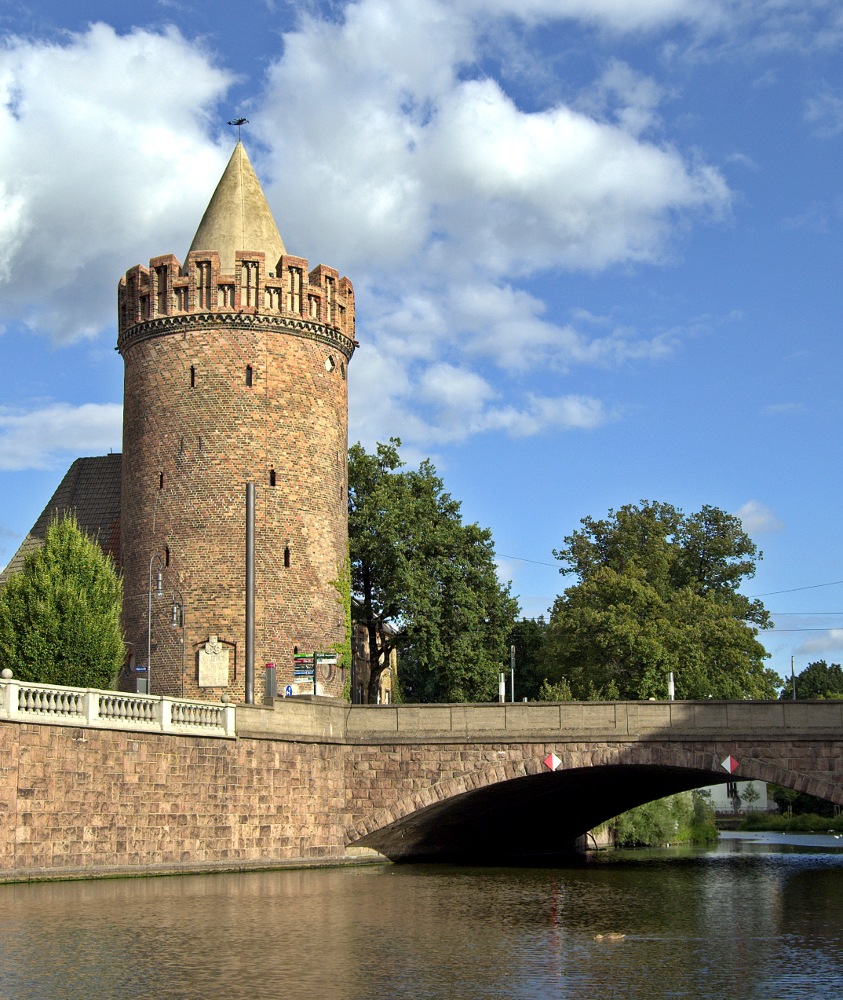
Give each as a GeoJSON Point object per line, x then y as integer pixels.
{"type": "Point", "coordinates": [595, 247]}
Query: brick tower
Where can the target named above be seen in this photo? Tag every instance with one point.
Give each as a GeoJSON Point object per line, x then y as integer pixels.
{"type": "Point", "coordinates": [235, 373]}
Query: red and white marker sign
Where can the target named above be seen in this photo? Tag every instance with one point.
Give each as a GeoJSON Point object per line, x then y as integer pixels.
{"type": "Point", "coordinates": [551, 761]}
{"type": "Point", "coordinates": [730, 764]}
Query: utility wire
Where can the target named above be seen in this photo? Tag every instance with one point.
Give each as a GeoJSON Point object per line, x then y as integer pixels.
{"type": "Point", "coordinates": [792, 590]}
{"type": "Point", "coordinates": [767, 593]}
{"type": "Point", "coordinates": [537, 562]}
{"type": "Point", "coordinates": [830, 628]}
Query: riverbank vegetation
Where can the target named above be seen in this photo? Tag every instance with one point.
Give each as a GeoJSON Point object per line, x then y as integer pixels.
{"type": "Point", "coordinates": [798, 813]}
{"type": "Point", "coordinates": [684, 818]}
{"type": "Point", "coordinates": [800, 823]}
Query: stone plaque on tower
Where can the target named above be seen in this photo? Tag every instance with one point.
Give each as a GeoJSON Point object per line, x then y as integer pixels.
{"type": "Point", "coordinates": [213, 664]}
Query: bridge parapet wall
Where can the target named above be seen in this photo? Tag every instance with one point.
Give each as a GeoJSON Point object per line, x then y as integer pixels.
{"type": "Point", "coordinates": [540, 721]}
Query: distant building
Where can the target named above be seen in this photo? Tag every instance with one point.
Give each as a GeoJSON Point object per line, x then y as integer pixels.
{"type": "Point", "coordinates": [737, 797]}
{"type": "Point", "coordinates": [361, 672]}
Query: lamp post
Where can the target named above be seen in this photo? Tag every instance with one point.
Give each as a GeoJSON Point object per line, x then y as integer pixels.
{"type": "Point", "coordinates": [178, 622]}
{"type": "Point", "coordinates": [159, 590]}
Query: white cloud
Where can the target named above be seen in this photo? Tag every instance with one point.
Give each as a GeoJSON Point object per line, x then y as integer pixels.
{"type": "Point", "coordinates": [104, 162]}
{"type": "Point", "coordinates": [758, 519]}
{"type": "Point", "coordinates": [40, 438]}
{"type": "Point", "coordinates": [386, 156]}
{"type": "Point", "coordinates": [438, 194]}
{"type": "Point", "coordinates": [625, 96]}
{"type": "Point", "coordinates": [614, 15]}
{"type": "Point", "coordinates": [778, 409]}
{"type": "Point", "coordinates": [506, 325]}
{"type": "Point", "coordinates": [828, 642]}
{"type": "Point", "coordinates": [443, 403]}
{"type": "Point", "coordinates": [423, 165]}
{"type": "Point", "coordinates": [825, 112]}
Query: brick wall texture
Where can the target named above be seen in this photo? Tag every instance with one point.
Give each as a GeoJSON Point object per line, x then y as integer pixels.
{"type": "Point", "coordinates": [228, 380]}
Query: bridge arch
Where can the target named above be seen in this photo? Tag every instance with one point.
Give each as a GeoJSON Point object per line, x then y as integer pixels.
{"type": "Point", "coordinates": [514, 806]}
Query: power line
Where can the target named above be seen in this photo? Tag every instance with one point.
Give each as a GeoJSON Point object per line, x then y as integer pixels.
{"type": "Point", "coordinates": [767, 593]}
{"type": "Point", "coordinates": [792, 590]}
{"type": "Point", "coordinates": [537, 562]}
{"type": "Point", "coordinates": [829, 628]}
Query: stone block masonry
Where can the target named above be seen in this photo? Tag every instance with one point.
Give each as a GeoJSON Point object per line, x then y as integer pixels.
{"type": "Point", "coordinates": [77, 802]}
{"type": "Point", "coordinates": [310, 782]}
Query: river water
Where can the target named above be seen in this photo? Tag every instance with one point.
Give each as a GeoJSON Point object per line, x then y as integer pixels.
{"type": "Point", "coordinates": [751, 918]}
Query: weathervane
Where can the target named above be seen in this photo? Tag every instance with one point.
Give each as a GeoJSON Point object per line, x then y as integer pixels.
{"type": "Point", "coordinates": [239, 122]}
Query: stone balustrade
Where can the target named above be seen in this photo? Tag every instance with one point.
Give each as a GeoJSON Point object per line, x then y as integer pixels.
{"type": "Point", "coordinates": [22, 701]}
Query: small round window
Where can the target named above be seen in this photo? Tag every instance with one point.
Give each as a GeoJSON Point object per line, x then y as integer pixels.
{"type": "Point", "coordinates": [330, 364]}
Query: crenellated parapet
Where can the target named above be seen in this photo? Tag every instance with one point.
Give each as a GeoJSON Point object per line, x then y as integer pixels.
{"type": "Point", "coordinates": [285, 295]}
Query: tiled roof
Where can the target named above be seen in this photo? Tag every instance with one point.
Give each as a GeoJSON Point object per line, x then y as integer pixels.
{"type": "Point", "coordinates": [91, 489]}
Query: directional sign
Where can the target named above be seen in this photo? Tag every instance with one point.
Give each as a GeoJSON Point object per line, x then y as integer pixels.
{"type": "Point", "coordinates": [288, 691]}
{"type": "Point", "coordinates": [730, 764]}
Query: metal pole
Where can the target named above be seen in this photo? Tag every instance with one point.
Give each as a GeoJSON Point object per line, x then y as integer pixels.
{"type": "Point", "coordinates": [149, 630]}
{"type": "Point", "coordinates": [315, 656]}
{"type": "Point", "coordinates": [250, 593]}
{"type": "Point", "coordinates": [180, 622]}
{"type": "Point", "coordinates": [670, 687]}
{"type": "Point", "coordinates": [793, 678]}
{"type": "Point", "coordinates": [152, 559]}
{"type": "Point", "coordinates": [182, 647]}
{"type": "Point", "coordinates": [512, 673]}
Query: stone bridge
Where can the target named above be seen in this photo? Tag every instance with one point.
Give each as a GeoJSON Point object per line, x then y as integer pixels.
{"type": "Point", "coordinates": [508, 781]}
{"type": "Point", "coordinates": [303, 782]}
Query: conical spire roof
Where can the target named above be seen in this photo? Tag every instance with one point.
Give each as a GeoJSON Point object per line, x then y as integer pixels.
{"type": "Point", "coordinates": [238, 217]}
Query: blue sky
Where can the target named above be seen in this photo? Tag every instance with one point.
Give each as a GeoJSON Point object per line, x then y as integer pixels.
{"type": "Point", "coordinates": [595, 246]}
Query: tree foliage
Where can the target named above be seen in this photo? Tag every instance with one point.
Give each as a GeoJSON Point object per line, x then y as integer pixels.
{"type": "Point", "coordinates": [60, 615]}
{"type": "Point", "coordinates": [527, 636]}
{"type": "Point", "coordinates": [658, 592]}
{"type": "Point", "coordinates": [686, 817]}
{"type": "Point", "coordinates": [424, 583]}
{"type": "Point", "coordinates": [794, 803]}
{"type": "Point", "coordinates": [817, 680]}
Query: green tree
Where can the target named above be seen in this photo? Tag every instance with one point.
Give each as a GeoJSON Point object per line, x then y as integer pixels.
{"type": "Point", "coordinates": [794, 803]}
{"type": "Point", "coordinates": [817, 680]}
{"type": "Point", "coordinates": [750, 795]}
{"type": "Point", "coordinates": [424, 583]}
{"type": "Point", "coordinates": [658, 592]}
{"type": "Point", "coordinates": [527, 636]}
{"type": "Point", "coordinates": [686, 817]}
{"type": "Point", "coordinates": [60, 615]}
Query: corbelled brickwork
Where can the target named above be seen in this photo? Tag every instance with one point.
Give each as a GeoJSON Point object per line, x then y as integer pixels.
{"type": "Point", "coordinates": [234, 377]}
{"type": "Point", "coordinates": [312, 782]}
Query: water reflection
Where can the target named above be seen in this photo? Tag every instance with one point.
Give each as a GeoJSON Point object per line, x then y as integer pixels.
{"type": "Point", "coordinates": [677, 923]}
